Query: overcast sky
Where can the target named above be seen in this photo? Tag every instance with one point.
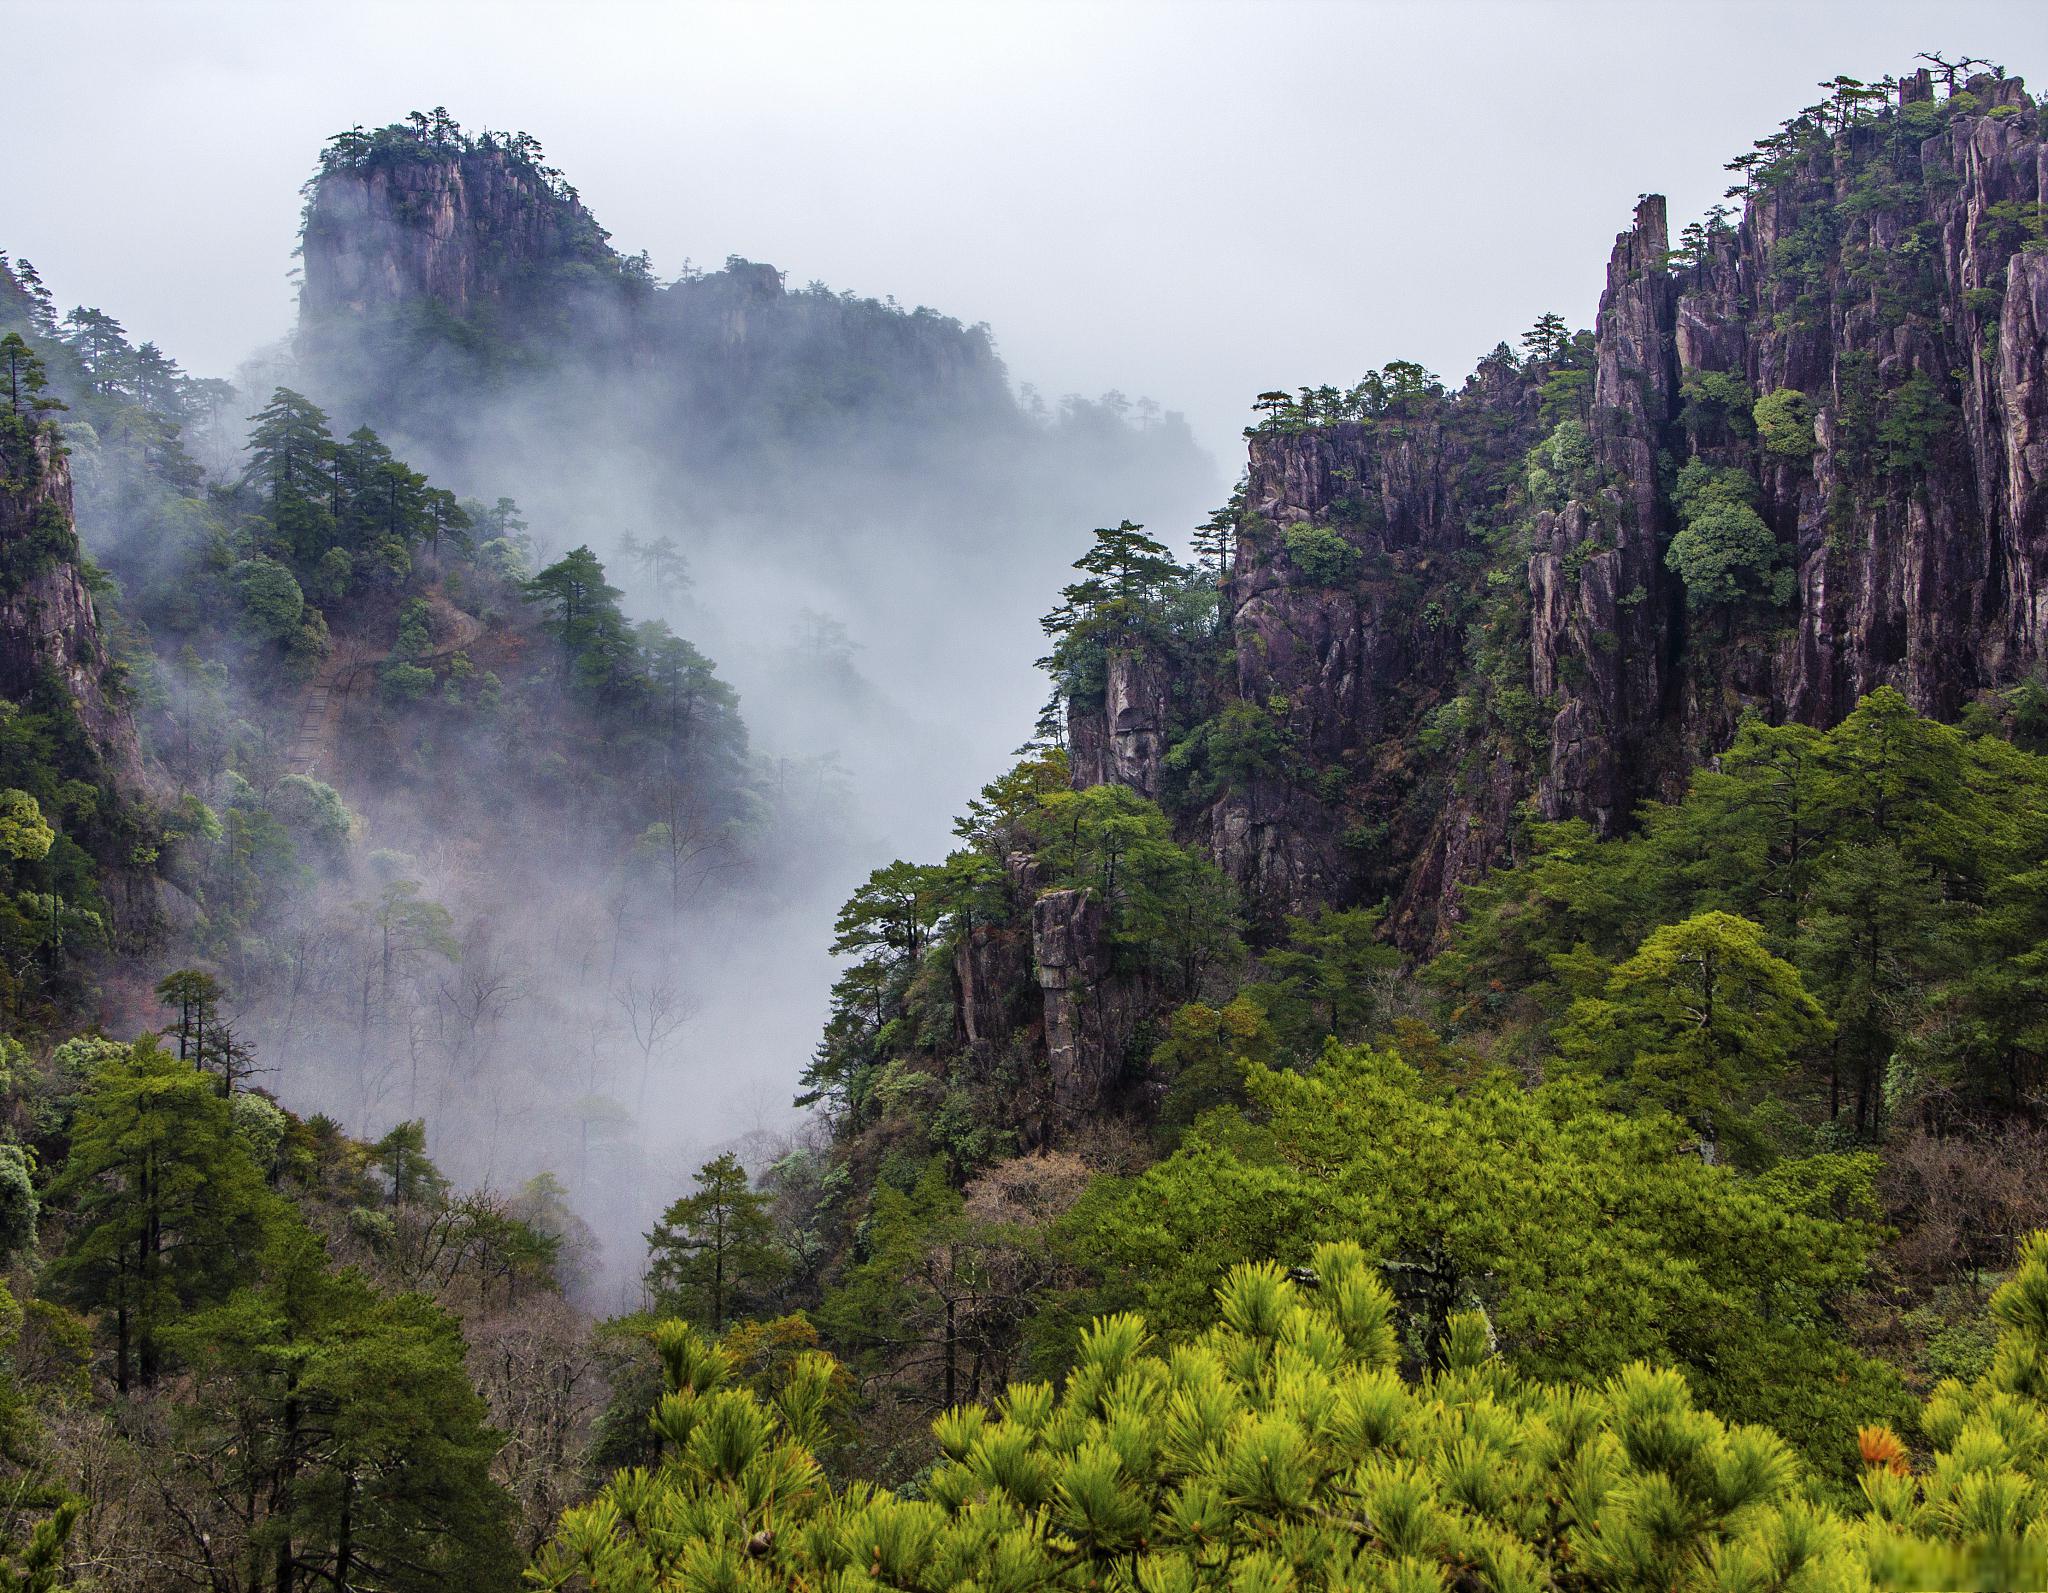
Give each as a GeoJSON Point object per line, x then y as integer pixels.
{"type": "Point", "coordinates": [1189, 201]}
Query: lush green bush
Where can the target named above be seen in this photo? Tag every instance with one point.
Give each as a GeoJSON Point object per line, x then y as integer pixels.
{"type": "Point", "coordinates": [1723, 550]}
{"type": "Point", "coordinates": [1893, 860]}
{"type": "Point", "coordinates": [403, 682]}
{"type": "Point", "coordinates": [270, 597]}
{"type": "Point", "coordinates": [1592, 1238]}
{"type": "Point", "coordinates": [1914, 421]}
{"type": "Point", "coordinates": [1167, 909]}
{"type": "Point", "coordinates": [1245, 742]}
{"type": "Point", "coordinates": [1716, 407]}
{"type": "Point", "coordinates": [1784, 423]}
{"type": "Point", "coordinates": [1280, 1450]}
{"type": "Point", "coordinates": [1325, 556]}
{"type": "Point", "coordinates": [19, 1206]}
{"type": "Point", "coordinates": [1562, 466]}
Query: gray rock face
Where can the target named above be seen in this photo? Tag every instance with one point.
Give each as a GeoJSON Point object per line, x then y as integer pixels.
{"type": "Point", "coordinates": [1343, 662]}
{"type": "Point", "coordinates": [1916, 542]}
{"type": "Point", "coordinates": [1123, 741]}
{"type": "Point", "coordinates": [1090, 1013]}
{"type": "Point", "coordinates": [992, 977]}
{"type": "Point", "coordinates": [1614, 622]}
{"type": "Point", "coordinates": [458, 231]}
{"type": "Point", "coordinates": [48, 625]}
{"type": "Point", "coordinates": [1919, 573]}
{"type": "Point", "coordinates": [50, 642]}
{"type": "Point", "coordinates": [1915, 532]}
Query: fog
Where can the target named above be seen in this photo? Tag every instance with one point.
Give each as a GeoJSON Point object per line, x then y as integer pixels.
{"type": "Point", "coordinates": [1192, 200]}
{"type": "Point", "coordinates": [1189, 202]}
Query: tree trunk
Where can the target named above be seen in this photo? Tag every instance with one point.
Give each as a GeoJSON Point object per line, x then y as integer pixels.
{"type": "Point", "coordinates": [952, 1358]}
{"type": "Point", "coordinates": [344, 1546]}
{"type": "Point", "coordinates": [281, 1492]}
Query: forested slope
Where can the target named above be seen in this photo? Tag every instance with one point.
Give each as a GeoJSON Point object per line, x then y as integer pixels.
{"type": "Point", "coordinates": [1493, 1037]}
{"type": "Point", "coordinates": [1576, 838]}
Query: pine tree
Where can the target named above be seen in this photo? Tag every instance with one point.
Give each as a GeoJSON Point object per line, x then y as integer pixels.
{"type": "Point", "coordinates": [26, 378]}
{"type": "Point", "coordinates": [1279, 1449]}
{"type": "Point", "coordinates": [169, 1212]}
{"type": "Point", "coordinates": [1697, 1019]}
{"type": "Point", "coordinates": [291, 463]}
{"type": "Point", "coordinates": [197, 995]}
{"type": "Point", "coordinates": [1548, 338]}
{"type": "Point", "coordinates": [714, 1255]}
{"type": "Point", "coordinates": [583, 615]}
{"type": "Point", "coordinates": [1124, 567]}
{"type": "Point", "coordinates": [410, 1176]}
{"type": "Point", "coordinates": [101, 343]}
{"type": "Point", "coordinates": [27, 416]}
{"type": "Point", "coordinates": [340, 1436]}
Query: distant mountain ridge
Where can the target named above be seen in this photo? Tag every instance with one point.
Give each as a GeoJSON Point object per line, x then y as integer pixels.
{"type": "Point", "coordinates": [448, 277]}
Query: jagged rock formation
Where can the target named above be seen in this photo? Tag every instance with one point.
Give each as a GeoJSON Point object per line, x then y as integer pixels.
{"type": "Point", "coordinates": [50, 642]}
{"type": "Point", "coordinates": [1925, 583]}
{"type": "Point", "coordinates": [1619, 629]}
{"type": "Point", "coordinates": [54, 661]}
{"type": "Point", "coordinates": [443, 267]}
{"type": "Point", "coordinates": [1494, 653]}
{"type": "Point", "coordinates": [1126, 742]}
{"type": "Point", "coordinates": [460, 299]}
{"type": "Point", "coordinates": [464, 228]}
{"type": "Point", "coordinates": [1090, 1012]}
{"type": "Point", "coordinates": [1447, 614]}
{"type": "Point", "coordinates": [1346, 661]}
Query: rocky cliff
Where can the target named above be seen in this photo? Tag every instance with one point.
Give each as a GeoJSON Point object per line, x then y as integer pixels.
{"type": "Point", "coordinates": [51, 649]}
{"type": "Point", "coordinates": [458, 225]}
{"type": "Point", "coordinates": [55, 664]}
{"type": "Point", "coordinates": [1455, 610]}
{"type": "Point", "coordinates": [446, 274]}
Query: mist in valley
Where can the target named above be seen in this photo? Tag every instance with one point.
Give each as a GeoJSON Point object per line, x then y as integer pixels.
{"type": "Point", "coordinates": [609, 996]}
{"type": "Point", "coordinates": [606, 983]}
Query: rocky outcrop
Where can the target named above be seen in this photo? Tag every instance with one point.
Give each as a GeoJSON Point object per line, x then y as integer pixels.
{"type": "Point", "coordinates": [1123, 740]}
{"type": "Point", "coordinates": [1339, 638]}
{"type": "Point", "coordinates": [50, 641]}
{"type": "Point", "coordinates": [54, 661]}
{"type": "Point", "coordinates": [1496, 649]}
{"type": "Point", "coordinates": [458, 229]}
{"type": "Point", "coordinates": [988, 966]}
{"type": "Point", "coordinates": [1091, 1013]}
{"type": "Point", "coordinates": [446, 273]}
{"type": "Point", "coordinates": [2023, 432]}
{"type": "Point", "coordinates": [1600, 636]}
{"type": "Point", "coordinates": [1917, 524]}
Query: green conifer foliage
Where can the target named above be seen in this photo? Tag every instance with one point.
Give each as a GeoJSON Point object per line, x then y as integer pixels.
{"type": "Point", "coordinates": [1282, 1450]}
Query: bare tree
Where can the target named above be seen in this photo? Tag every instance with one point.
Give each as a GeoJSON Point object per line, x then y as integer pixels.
{"type": "Point", "coordinates": [686, 846]}
{"type": "Point", "coordinates": [654, 1012]}
{"type": "Point", "coordinates": [1958, 69]}
{"type": "Point", "coordinates": [540, 1372]}
{"type": "Point", "coordinates": [472, 998]}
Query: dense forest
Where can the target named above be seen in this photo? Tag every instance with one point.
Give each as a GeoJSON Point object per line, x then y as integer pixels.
{"type": "Point", "coordinates": [1492, 1036]}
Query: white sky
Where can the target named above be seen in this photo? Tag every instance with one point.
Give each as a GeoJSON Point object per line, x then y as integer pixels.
{"type": "Point", "coordinates": [1189, 201]}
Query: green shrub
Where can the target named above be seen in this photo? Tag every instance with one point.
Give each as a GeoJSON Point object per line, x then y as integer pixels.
{"type": "Point", "coordinates": [402, 682]}
{"type": "Point", "coordinates": [1281, 1450]}
{"type": "Point", "coordinates": [1913, 422]}
{"type": "Point", "coordinates": [1717, 406]}
{"type": "Point", "coordinates": [269, 594]}
{"type": "Point", "coordinates": [1723, 550]}
{"type": "Point", "coordinates": [1784, 420]}
{"type": "Point", "coordinates": [1323, 555]}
